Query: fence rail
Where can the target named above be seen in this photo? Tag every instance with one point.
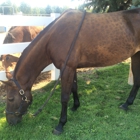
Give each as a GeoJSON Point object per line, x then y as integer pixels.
{"type": "Point", "coordinates": [19, 47]}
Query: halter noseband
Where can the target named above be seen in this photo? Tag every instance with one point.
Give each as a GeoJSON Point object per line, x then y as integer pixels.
{"type": "Point", "coordinates": [24, 99]}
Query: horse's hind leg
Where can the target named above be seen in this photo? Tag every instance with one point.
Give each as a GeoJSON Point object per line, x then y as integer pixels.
{"type": "Point", "coordinates": [75, 94]}
{"type": "Point", "coordinates": [135, 63]}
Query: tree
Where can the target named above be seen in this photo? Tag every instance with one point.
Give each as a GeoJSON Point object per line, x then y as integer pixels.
{"type": "Point", "coordinates": [48, 9]}
{"type": "Point", "coordinates": [7, 8]}
{"type": "Point", "coordinates": [57, 9]}
{"type": "Point", "coordinates": [65, 8]}
{"type": "Point", "coordinates": [35, 10]}
{"type": "Point", "coordinates": [135, 3]}
{"type": "Point", "coordinates": [42, 11]}
{"type": "Point", "coordinates": [16, 9]}
{"type": "Point", "coordinates": [100, 6]}
{"type": "Point", "coordinates": [25, 8]}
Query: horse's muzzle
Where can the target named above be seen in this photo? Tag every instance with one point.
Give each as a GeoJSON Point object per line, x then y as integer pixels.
{"type": "Point", "coordinates": [12, 119]}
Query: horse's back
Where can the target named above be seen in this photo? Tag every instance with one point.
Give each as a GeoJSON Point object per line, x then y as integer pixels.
{"type": "Point", "coordinates": [103, 40]}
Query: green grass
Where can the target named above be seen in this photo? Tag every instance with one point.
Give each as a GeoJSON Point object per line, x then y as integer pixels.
{"type": "Point", "coordinates": [99, 117]}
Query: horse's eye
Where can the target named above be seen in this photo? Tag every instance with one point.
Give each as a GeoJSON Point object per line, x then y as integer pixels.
{"type": "Point", "coordinates": [10, 98]}
{"type": "Point", "coordinates": [7, 58]}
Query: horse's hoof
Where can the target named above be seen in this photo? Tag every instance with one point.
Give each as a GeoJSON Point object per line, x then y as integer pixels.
{"type": "Point", "coordinates": [57, 132]}
{"type": "Point", "coordinates": [73, 109]}
{"type": "Point", "coordinates": [124, 107]}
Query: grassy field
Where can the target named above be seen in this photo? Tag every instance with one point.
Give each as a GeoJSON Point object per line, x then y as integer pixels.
{"type": "Point", "coordinates": [98, 118]}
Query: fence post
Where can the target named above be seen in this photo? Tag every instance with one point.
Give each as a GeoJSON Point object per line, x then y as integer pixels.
{"type": "Point", "coordinates": [55, 15]}
{"type": "Point", "coordinates": [55, 73]}
{"type": "Point", "coordinates": [3, 76]}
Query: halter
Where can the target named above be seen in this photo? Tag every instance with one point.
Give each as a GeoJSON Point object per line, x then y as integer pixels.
{"type": "Point", "coordinates": [24, 99]}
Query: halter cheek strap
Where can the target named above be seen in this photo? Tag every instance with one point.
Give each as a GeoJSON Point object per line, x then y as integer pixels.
{"type": "Point", "coordinates": [21, 91]}
{"type": "Point", "coordinates": [24, 99]}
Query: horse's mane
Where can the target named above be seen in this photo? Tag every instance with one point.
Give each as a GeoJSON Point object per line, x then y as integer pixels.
{"type": "Point", "coordinates": [32, 44]}
{"type": "Point", "coordinates": [12, 28]}
{"type": "Point", "coordinates": [9, 33]}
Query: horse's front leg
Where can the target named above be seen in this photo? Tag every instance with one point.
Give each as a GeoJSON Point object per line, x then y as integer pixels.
{"type": "Point", "coordinates": [135, 63]}
{"type": "Point", "coordinates": [66, 85]}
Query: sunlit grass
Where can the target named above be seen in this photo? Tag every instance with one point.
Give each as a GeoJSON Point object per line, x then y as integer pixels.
{"type": "Point", "coordinates": [2, 122]}
{"type": "Point", "coordinates": [98, 118]}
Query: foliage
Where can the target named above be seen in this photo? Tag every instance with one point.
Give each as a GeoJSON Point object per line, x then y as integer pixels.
{"type": "Point", "coordinates": [16, 8]}
{"type": "Point", "coordinates": [56, 9]}
{"type": "Point", "coordinates": [27, 9]}
{"type": "Point", "coordinates": [101, 6]}
{"type": "Point", "coordinates": [7, 9]}
{"type": "Point", "coordinates": [94, 6]}
{"type": "Point", "coordinates": [48, 9]}
{"type": "Point", "coordinates": [98, 118]}
{"type": "Point", "coordinates": [42, 11]}
{"type": "Point", "coordinates": [35, 10]}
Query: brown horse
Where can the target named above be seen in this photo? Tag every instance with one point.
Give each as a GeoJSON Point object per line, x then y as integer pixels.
{"type": "Point", "coordinates": [103, 40]}
{"type": "Point", "coordinates": [9, 62]}
{"type": "Point", "coordinates": [17, 34]}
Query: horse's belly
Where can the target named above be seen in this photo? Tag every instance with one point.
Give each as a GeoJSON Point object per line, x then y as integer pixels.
{"type": "Point", "coordinates": [102, 59]}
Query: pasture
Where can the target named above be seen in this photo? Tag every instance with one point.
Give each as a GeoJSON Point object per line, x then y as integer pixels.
{"type": "Point", "coordinates": [101, 92]}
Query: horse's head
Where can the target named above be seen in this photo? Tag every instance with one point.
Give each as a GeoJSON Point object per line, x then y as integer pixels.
{"type": "Point", "coordinates": [14, 35]}
{"type": "Point", "coordinates": [17, 102]}
{"type": "Point", "coordinates": [9, 63]}
{"type": "Point", "coordinates": [10, 38]}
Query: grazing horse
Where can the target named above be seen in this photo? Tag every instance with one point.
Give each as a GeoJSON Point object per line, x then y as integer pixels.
{"type": "Point", "coordinates": [103, 40]}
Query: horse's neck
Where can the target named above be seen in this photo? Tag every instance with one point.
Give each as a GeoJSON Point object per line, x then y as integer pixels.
{"type": "Point", "coordinates": [32, 64]}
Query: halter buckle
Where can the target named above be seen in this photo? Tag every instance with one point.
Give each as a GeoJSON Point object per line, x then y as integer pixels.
{"type": "Point", "coordinates": [21, 92]}
{"type": "Point", "coordinates": [17, 113]}
{"type": "Point", "coordinates": [26, 100]}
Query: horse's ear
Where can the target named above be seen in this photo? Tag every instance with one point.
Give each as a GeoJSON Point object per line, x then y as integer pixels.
{"type": "Point", "coordinates": [4, 82]}
{"type": "Point", "coordinates": [8, 83]}
{"type": "Point", "coordinates": [11, 35]}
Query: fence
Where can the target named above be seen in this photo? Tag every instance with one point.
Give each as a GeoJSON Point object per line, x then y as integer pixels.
{"type": "Point", "coordinates": [18, 20]}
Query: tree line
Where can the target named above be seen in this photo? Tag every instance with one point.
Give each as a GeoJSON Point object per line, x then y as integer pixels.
{"type": "Point", "coordinates": [101, 6]}
{"type": "Point", "coordinates": [94, 6]}
{"type": "Point", "coordinates": [8, 8]}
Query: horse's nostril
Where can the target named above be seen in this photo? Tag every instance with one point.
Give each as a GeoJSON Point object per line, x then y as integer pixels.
{"type": "Point", "coordinates": [10, 98]}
